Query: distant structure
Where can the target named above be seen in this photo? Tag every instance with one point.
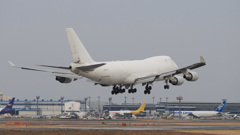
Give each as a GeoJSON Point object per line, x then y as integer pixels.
{"type": "Point", "coordinates": [4, 98]}
{"type": "Point", "coordinates": [1, 95]}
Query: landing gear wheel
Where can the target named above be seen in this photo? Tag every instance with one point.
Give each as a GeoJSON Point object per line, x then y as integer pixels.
{"type": "Point", "coordinates": [135, 90]}
{"type": "Point", "coordinates": [149, 91]}
{"type": "Point", "coordinates": [166, 86]}
{"type": "Point", "coordinates": [122, 90]}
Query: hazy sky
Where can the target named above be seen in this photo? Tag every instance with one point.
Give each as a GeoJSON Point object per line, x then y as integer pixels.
{"type": "Point", "coordinates": [33, 32]}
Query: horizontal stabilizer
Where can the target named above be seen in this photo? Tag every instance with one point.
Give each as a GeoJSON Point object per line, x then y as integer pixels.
{"type": "Point", "coordinates": [90, 67]}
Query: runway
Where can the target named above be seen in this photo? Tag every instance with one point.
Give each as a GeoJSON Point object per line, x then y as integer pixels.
{"type": "Point", "coordinates": [133, 128]}
{"type": "Point", "coordinates": [122, 125]}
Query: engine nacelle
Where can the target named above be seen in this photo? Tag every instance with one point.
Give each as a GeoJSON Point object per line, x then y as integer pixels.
{"type": "Point", "coordinates": [191, 76]}
{"type": "Point", "coordinates": [63, 79]}
{"type": "Point", "coordinates": [176, 80]}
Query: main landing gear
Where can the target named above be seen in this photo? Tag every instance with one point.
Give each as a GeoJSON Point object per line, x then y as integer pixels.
{"type": "Point", "coordinates": [117, 89]}
{"type": "Point", "coordinates": [147, 89]}
{"type": "Point", "coordinates": [132, 90]}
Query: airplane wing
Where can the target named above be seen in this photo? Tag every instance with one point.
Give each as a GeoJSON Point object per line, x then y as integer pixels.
{"type": "Point", "coordinates": [83, 68]}
{"type": "Point", "coordinates": [91, 67]}
{"type": "Point", "coordinates": [193, 66]}
{"type": "Point", "coordinates": [153, 77]}
{"type": "Point", "coordinates": [55, 73]}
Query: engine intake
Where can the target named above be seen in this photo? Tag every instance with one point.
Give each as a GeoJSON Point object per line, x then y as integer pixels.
{"type": "Point", "coordinates": [176, 80]}
{"type": "Point", "coordinates": [191, 76]}
{"type": "Point", "coordinates": [63, 79]}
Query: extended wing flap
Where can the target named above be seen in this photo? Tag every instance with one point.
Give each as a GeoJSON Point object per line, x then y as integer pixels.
{"type": "Point", "coordinates": [58, 67]}
{"type": "Point", "coordinates": [67, 75]}
{"type": "Point", "coordinates": [145, 79]}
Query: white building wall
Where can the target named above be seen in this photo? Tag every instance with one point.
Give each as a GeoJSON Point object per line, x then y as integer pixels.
{"type": "Point", "coordinates": [72, 106]}
{"type": "Point", "coordinates": [28, 113]}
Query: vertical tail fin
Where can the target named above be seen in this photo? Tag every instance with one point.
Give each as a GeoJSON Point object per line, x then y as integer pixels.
{"type": "Point", "coordinates": [79, 52]}
{"type": "Point", "coordinates": [142, 107]}
{"type": "Point", "coordinates": [221, 106]}
{"type": "Point", "coordinates": [9, 105]}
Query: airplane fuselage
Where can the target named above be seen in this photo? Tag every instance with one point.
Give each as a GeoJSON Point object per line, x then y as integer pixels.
{"type": "Point", "coordinates": [198, 113]}
{"type": "Point", "coordinates": [125, 72]}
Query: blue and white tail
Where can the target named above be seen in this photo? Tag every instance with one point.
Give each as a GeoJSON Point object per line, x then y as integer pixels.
{"type": "Point", "coordinates": [10, 104]}
{"type": "Point", "coordinates": [8, 107]}
{"type": "Point", "coordinates": [221, 106]}
{"type": "Point", "coordinates": [79, 52]}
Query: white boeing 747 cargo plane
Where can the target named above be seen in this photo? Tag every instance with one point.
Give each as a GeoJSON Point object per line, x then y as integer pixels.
{"type": "Point", "coordinates": [121, 75]}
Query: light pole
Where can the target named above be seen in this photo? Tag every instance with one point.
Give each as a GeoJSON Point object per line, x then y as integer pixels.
{"type": "Point", "coordinates": [125, 102]}
{"type": "Point", "coordinates": [62, 98]}
{"type": "Point", "coordinates": [133, 100]}
{"type": "Point", "coordinates": [179, 98]}
{"type": "Point", "coordinates": [85, 104]}
{"type": "Point", "coordinates": [99, 109]}
{"type": "Point", "coordinates": [37, 97]}
{"type": "Point", "coordinates": [110, 99]}
{"type": "Point", "coordinates": [166, 102]}
{"type": "Point", "coordinates": [89, 103]}
{"type": "Point", "coordinates": [153, 99]}
{"type": "Point", "coordinates": [160, 100]}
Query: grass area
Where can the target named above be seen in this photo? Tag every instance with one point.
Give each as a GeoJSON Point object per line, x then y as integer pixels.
{"type": "Point", "coordinates": [93, 132]}
{"type": "Point", "coordinates": [214, 132]}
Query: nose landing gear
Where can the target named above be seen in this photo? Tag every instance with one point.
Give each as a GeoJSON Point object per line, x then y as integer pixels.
{"type": "Point", "coordinates": [166, 86]}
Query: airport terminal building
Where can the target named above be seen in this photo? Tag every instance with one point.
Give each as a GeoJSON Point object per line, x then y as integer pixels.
{"type": "Point", "coordinates": [55, 107]}
{"type": "Point", "coordinates": [50, 106]}
{"type": "Point", "coordinates": [174, 106]}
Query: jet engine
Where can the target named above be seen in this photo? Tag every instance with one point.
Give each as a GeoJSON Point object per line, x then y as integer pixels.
{"type": "Point", "coordinates": [176, 80]}
{"type": "Point", "coordinates": [63, 79]}
{"type": "Point", "coordinates": [191, 76]}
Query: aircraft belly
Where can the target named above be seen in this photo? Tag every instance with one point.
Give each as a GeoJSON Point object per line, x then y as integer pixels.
{"type": "Point", "coordinates": [127, 72]}
{"type": "Point", "coordinates": [106, 76]}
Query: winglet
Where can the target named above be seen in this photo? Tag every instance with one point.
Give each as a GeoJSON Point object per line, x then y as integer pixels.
{"type": "Point", "coordinates": [11, 64]}
{"type": "Point", "coordinates": [202, 60]}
